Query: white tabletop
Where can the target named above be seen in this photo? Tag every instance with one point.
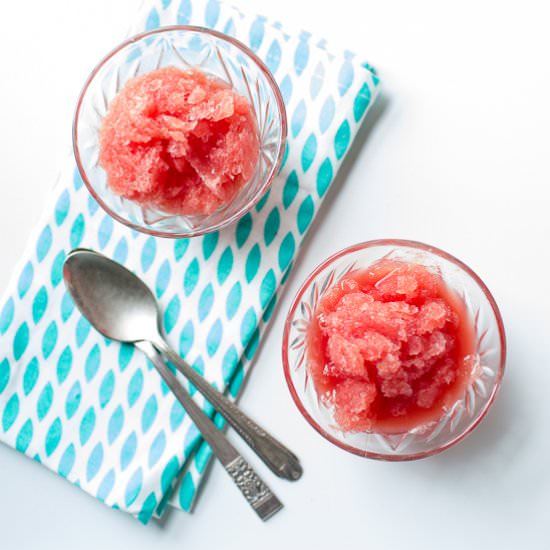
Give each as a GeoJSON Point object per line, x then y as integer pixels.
{"type": "Point", "coordinates": [455, 154]}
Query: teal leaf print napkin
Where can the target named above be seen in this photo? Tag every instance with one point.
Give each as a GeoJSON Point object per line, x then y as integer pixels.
{"type": "Point", "coordinates": [93, 410]}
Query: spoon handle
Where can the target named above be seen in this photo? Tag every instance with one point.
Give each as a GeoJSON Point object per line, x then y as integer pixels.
{"type": "Point", "coordinates": [275, 455]}
{"type": "Point", "coordinates": [256, 492]}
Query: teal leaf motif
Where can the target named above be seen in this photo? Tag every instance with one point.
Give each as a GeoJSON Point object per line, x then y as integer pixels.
{"type": "Point", "coordinates": [163, 278]}
{"type": "Point", "coordinates": [83, 328]}
{"type": "Point", "coordinates": [252, 346]}
{"type": "Point", "coordinates": [6, 317]}
{"type": "Point", "coordinates": [4, 375]}
{"type": "Point", "coordinates": [308, 152]}
{"type": "Point", "coordinates": [273, 57]}
{"type": "Point", "coordinates": [184, 12]}
{"type": "Point", "coordinates": [62, 207]}
{"type": "Point", "coordinates": [134, 487]}
{"type": "Point", "coordinates": [286, 251]}
{"type": "Point", "coordinates": [105, 231]}
{"type": "Point", "coordinates": [128, 451]}
{"type": "Point", "coordinates": [253, 261]}
{"type": "Point", "coordinates": [191, 277]}
{"type": "Point", "coordinates": [256, 34]}
{"type": "Point", "coordinates": [214, 338]}
{"type": "Point", "coordinates": [25, 279]}
{"type": "Point", "coordinates": [95, 461]}
{"type": "Point", "coordinates": [24, 437]}
{"type": "Point", "coordinates": [157, 448]}
{"type": "Point", "coordinates": [290, 189]}
{"type": "Point", "coordinates": [67, 461]}
{"type": "Point", "coordinates": [148, 253]}
{"type": "Point", "coordinates": [233, 300]}
{"type": "Point", "coordinates": [11, 411]}
{"type": "Point", "coordinates": [53, 437]}
{"type": "Point", "coordinates": [78, 182]}
{"type": "Point", "coordinates": [180, 248]}
{"type": "Point", "coordinates": [31, 376]}
{"type": "Point", "coordinates": [92, 363]}
{"type": "Point", "coordinates": [262, 202]}
{"type": "Point", "coordinates": [148, 508]}
{"type": "Point", "coordinates": [57, 268]}
{"type": "Point", "coordinates": [169, 473]}
{"type": "Point", "coordinates": [202, 457]}
{"type": "Point", "coordinates": [20, 341]}
{"type": "Point", "coordinates": [243, 229]}
{"type": "Point", "coordinates": [135, 387]}
{"type": "Point", "coordinates": [327, 114]}
{"type": "Point", "coordinates": [317, 80]}
{"type": "Point", "coordinates": [186, 338]}
{"type": "Point", "coordinates": [177, 414]}
{"type": "Point", "coordinates": [298, 118]}
{"type": "Point", "coordinates": [211, 15]}
{"type": "Point", "coordinates": [44, 243]}
{"type": "Point", "coordinates": [106, 485]}
{"type": "Point", "coordinates": [121, 251]}
{"type": "Point", "coordinates": [345, 77]}
{"type": "Point", "coordinates": [125, 354]}
{"type": "Point", "coordinates": [209, 243]}
{"type": "Point", "coordinates": [342, 139]}
{"type": "Point", "coordinates": [267, 288]}
{"type": "Point", "coordinates": [225, 265]}
{"type": "Point", "coordinates": [286, 89]}
{"type": "Point", "coordinates": [77, 231]}
{"type": "Point", "coordinates": [172, 313]}
{"type": "Point", "coordinates": [73, 400]}
{"type": "Point", "coordinates": [149, 414]}
{"type": "Point", "coordinates": [44, 402]}
{"type": "Point", "coordinates": [106, 389]}
{"type": "Point", "coordinates": [153, 20]}
{"type": "Point", "coordinates": [248, 326]}
{"type": "Point", "coordinates": [49, 340]}
{"type": "Point", "coordinates": [186, 492]}
{"type": "Point", "coordinates": [305, 214]}
{"type": "Point", "coordinates": [206, 301]}
{"type": "Point", "coordinates": [64, 364]}
{"type": "Point", "coordinates": [67, 307]}
{"type": "Point", "coordinates": [229, 362]}
{"type": "Point", "coordinates": [271, 227]}
{"type": "Point", "coordinates": [324, 177]}
{"type": "Point", "coordinates": [116, 422]}
{"type": "Point", "coordinates": [87, 425]}
{"type": "Point", "coordinates": [301, 55]}
{"type": "Point", "coordinates": [361, 102]}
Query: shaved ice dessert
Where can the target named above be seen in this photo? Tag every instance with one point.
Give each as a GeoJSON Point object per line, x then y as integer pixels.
{"type": "Point", "coordinates": [182, 142]}
{"type": "Point", "coordinates": [390, 347]}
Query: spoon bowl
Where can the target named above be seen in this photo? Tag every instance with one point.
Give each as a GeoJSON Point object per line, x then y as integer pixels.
{"type": "Point", "coordinates": [115, 301]}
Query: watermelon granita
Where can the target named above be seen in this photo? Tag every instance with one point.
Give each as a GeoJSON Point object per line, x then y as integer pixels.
{"type": "Point", "coordinates": [183, 142]}
{"type": "Point", "coordinates": [390, 347]}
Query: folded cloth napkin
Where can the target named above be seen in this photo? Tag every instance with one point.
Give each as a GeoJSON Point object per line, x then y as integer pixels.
{"type": "Point", "coordinates": [93, 410]}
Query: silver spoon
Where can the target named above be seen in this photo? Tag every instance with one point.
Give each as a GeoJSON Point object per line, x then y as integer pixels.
{"type": "Point", "coordinates": [120, 306]}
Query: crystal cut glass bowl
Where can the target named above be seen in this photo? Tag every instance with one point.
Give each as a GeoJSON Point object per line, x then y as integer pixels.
{"type": "Point", "coordinates": [184, 47]}
{"type": "Point", "coordinates": [456, 421]}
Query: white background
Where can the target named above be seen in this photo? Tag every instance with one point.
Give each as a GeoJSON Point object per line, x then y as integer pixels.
{"type": "Point", "coordinates": [456, 154]}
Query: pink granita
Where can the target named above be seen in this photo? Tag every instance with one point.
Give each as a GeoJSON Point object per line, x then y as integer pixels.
{"type": "Point", "coordinates": [183, 142]}
{"type": "Point", "coordinates": [389, 347]}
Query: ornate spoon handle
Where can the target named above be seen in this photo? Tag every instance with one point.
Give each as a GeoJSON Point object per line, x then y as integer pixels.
{"type": "Point", "coordinates": [256, 492]}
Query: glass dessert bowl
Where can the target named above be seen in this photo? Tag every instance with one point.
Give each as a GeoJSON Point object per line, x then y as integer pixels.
{"type": "Point", "coordinates": [227, 62]}
{"type": "Point", "coordinates": [393, 350]}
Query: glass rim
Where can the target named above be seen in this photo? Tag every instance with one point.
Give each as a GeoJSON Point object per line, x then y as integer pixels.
{"type": "Point", "coordinates": [405, 244]}
{"type": "Point", "coordinates": [281, 142]}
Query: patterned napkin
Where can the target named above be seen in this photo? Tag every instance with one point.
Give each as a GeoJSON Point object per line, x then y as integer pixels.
{"type": "Point", "coordinates": [93, 410]}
